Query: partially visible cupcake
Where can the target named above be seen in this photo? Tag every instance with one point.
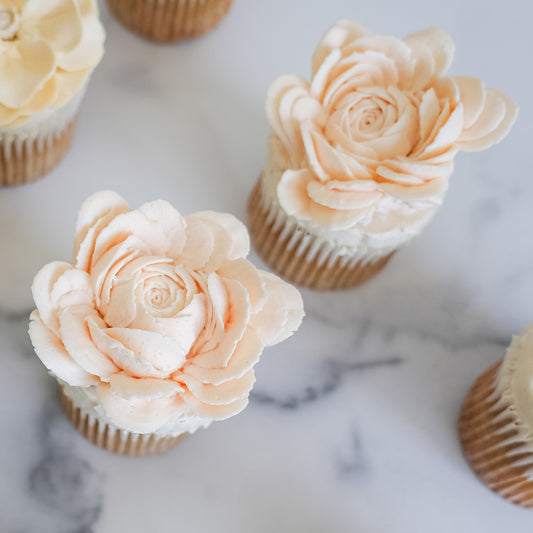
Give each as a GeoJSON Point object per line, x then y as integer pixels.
{"type": "Point", "coordinates": [48, 49]}
{"type": "Point", "coordinates": [154, 329]}
{"type": "Point", "coordinates": [496, 423]}
{"type": "Point", "coordinates": [360, 157]}
{"type": "Point", "coordinates": [170, 20]}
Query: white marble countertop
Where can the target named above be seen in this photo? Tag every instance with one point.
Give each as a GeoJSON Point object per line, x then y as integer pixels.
{"type": "Point", "coordinates": [352, 423]}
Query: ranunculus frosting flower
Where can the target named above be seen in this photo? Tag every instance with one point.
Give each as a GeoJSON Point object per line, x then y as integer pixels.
{"type": "Point", "coordinates": [160, 314]}
{"type": "Point", "coordinates": [377, 128]}
{"type": "Point", "coordinates": [48, 48]}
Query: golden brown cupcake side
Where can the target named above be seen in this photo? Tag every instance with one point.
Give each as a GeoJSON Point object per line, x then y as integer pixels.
{"type": "Point", "coordinates": [492, 444]}
{"type": "Point", "coordinates": [169, 20]}
{"type": "Point", "coordinates": [25, 161]}
{"type": "Point", "coordinates": [113, 440]}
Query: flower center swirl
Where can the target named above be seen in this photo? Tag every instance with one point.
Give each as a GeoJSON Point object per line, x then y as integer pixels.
{"type": "Point", "coordinates": [9, 23]}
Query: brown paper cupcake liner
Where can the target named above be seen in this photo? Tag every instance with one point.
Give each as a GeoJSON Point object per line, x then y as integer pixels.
{"type": "Point", "coordinates": [113, 440]}
{"type": "Point", "coordinates": [24, 161]}
{"type": "Point", "coordinates": [169, 20]}
{"type": "Point", "coordinates": [295, 255]}
{"type": "Point", "coordinates": [491, 442]}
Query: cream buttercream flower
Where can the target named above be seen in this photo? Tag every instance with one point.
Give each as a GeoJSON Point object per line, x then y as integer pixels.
{"type": "Point", "coordinates": [378, 121]}
{"type": "Point", "coordinates": [48, 48]}
{"type": "Point", "coordinates": [162, 314]}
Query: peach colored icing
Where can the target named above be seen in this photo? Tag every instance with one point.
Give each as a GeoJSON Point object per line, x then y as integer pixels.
{"type": "Point", "coordinates": [161, 315]}
{"type": "Point", "coordinates": [375, 132]}
{"type": "Point", "coordinates": [48, 48]}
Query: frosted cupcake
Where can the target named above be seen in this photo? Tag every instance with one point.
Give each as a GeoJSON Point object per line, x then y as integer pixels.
{"type": "Point", "coordinates": [496, 423]}
{"type": "Point", "coordinates": [154, 329]}
{"type": "Point", "coordinates": [48, 49]}
{"type": "Point", "coordinates": [170, 20]}
{"type": "Point", "coordinates": [360, 157]}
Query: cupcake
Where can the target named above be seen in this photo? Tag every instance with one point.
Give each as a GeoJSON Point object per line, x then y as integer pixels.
{"type": "Point", "coordinates": [170, 20]}
{"type": "Point", "coordinates": [48, 49]}
{"type": "Point", "coordinates": [153, 330]}
{"type": "Point", "coordinates": [496, 423]}
{"type": "Point", "coordinates": [360, 157]}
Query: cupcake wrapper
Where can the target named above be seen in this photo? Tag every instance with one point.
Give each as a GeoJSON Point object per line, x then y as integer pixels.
{"type": "Point", "coordinates": [169, 20]}
{"type": "Point", "coordinates": [33, 149]}
{"type": "Point", "coordinates": [113, 440]}
{"type": "Point", "coordinates": [299, 257]}
{"type": "Point", "coordinates": [25, 160]}
{"type": "Point", "coordinates": [491, 442]}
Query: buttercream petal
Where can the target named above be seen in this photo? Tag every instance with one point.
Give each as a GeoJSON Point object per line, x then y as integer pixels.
{"type": "Point", "coordinates": [123, 357]}
{"type": "Point", "coordinates": [292, 192]}
{"type": "Point", "coordinates": [41, 288]}
{"type": "Point", "coordinates": [424, 70]}
{"type": "Point", "coordinates": [493, 124]}
{"type": "Point", "coordinates": [223, 394]}
{"type": "Point", "coordinates": [339, 35]}
{"type": "Point", "coordinates": [337, 197]}
{"type": "Point", "coordinates": [282, 313]}
{"type": "Point", "coordinates": [57, 22]}
{"type": "Point", "coordinates": [162, 352]}
{"type": "Point", "coordinates": [8, 115]}
{"type": "Point", "coordinates": [68, 84]}
{"type": "Point", "coordinates": [156, 224]}
{"type": "Point", "coordinates": [94, 215]}
{"type": "Point", "coordinates": [282, 96]}
{"type": "Point", "coordinates": [28, 65]}
{"type": "Point", "coordinates": [105, 271]}
{"type": "Point", "coordinates": [215, 412]}
{"type": "Point", "coordinates": [326, 162]}
{"type": "Point", "coordinates": [394, 49]}
{"type": "Point", "coordinates": [400, 139]}
{"type": "Point", "coordinates": [14, 4]}
{"type": "Point", "coordinates": [246, 274]}
{"type": "Point", "coordinates": [122, 308]}
{"type": "Point", "coordinates": [428, 112]}
{"type": "Point", "coordinates": [143, 389]}
{"type": "Point", "coordinates": [218, 295]}
{"type": "Point", "coordinates": [436, 187]}
{"type": "Point", "coordinates": [139, 416]}
{"type": "Point", "coordinates": [42, 99]}
{"type": "Point", "coordinates": [335, 218]}
{"type": "Point", "coordinates": [199, 244]}
{"type": "Point", "coordinates": [323, 74]}
{"type": "Point", "coordinates": [239, 241]}
{"type": "Point", "coordinates": [235, 328]}
{"type": "Point", "coordinates": [472, 94]}
{"type": "Point", "coordinates": [53, 355]}
{"type": "Point", "coordinates": [72, 287]}
{"type": "Point", "coordinates": [89, 51]}
{"type": "Point", "coordinates": [182, 328]}
{"type": "Point", "coordinates": [75, 334]}
{"type": "Point", "coordinates": [87, 7]}
{"type": "Point", "coordinates": [448, 133]}
{"type": "Point", "coordinates": [411, 172]}
{"type": "Point", "coordinates": [244, 357]}
{"type": "Point", "coordinates": [230, 239]}
{"type": "Point", "coordinates": [439, 42]}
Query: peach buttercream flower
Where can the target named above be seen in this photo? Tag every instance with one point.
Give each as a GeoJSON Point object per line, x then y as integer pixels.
{"type": "Point", "coordinates": [47, 50]}
{"type": "Point", "coordinates": [161, 314]}
{"type": "Point", "coordinates": [378, 121]}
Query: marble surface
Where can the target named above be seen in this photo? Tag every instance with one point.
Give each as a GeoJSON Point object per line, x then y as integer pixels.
{"type": "Point", "coordinates": [352, 423]}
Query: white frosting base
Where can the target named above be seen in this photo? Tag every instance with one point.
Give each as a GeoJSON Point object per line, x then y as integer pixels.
{"type": "Point", "coordinates": [45, 124]}
{"type": "Point", "coordinates": [86, 398]}
{"type": "Point", "coordinates": [367, 239]}
{"type": "Point", "coordinates": [514, 385]}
